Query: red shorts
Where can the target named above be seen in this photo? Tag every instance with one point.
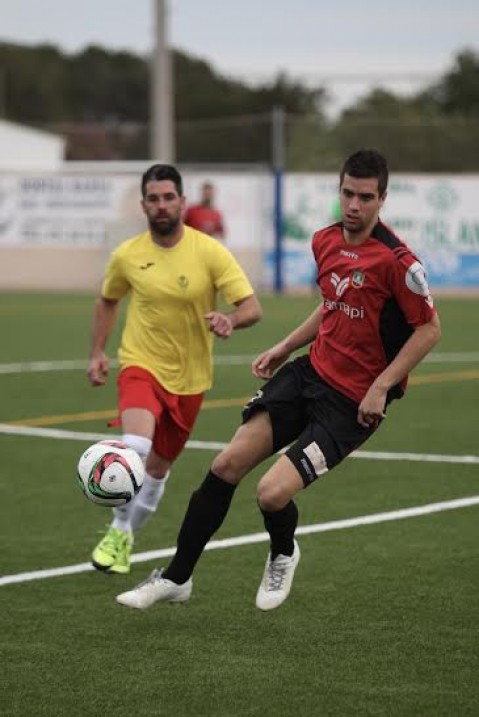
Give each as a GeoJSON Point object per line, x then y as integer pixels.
{"type": "Point", "coordinates": [175, 415]}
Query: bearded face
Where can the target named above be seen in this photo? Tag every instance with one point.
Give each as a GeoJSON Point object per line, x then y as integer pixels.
{"type": "Point", "coordinates": [163, 207]}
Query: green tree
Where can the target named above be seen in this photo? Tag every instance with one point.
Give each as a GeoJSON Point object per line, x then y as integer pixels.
{"type": "Point", "coordinates": [34, 83]}
{"type": "Point", "coordinates": [434, 130]}
{"type": "Point", "coordinates": [457, 93]}
{"type": "Point", "coordinates": [107, 86]}
{"type": "Point", "coordinates": [99, 100]}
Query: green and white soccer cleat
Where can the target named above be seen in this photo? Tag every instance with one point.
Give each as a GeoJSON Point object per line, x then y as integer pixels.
{"type": "Point", "coordinates": [112, 554]}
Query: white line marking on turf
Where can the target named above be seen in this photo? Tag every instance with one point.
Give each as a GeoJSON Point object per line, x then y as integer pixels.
{"type": "Point", "coordinates": [452, 357]}
{"type": "Point", "coordinates": [60, 434]}
{"type": "Point", "coordinates": [40, 366]}
{"type": "Point", "coordinates": [421, 457]}
{"type": "Point", "coordinates": [82, 364]}
{"type": "Point", "coordinates": [253, 538]}
{"type": "Point", "coordinates": [233, 360]}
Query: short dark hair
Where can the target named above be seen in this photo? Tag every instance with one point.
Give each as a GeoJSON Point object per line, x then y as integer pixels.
{"type": "Point", "coordinates": [367, 163]}
{"type": "Point", "coordinates": [160, 172]}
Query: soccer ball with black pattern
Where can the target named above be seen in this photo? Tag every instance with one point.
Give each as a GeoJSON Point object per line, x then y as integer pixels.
{"type": "Point", "coordinates": [110, 473]}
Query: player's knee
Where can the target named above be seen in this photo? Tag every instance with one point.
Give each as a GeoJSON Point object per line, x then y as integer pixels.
{"type": "Point", "coordinates": [157, 467]}
{"type": "Point", "coordinates": [271, 496]}
{"type": "Point", "coordinates": [228, 466]}
{"type": "Point", "coordinates": [160, 473]}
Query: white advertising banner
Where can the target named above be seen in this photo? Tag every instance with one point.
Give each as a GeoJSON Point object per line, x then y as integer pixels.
{"type": "Point", "coordinates": [436, 215]}
{"type": "Point", "coordinates": [62, 209]}
{"type": "Point", "coordinates": [439, 218]}
{"type": "Point", "coordinates": [77, 209]}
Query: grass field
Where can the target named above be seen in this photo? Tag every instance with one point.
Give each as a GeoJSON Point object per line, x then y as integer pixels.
{"type": "Point", "coordinates": [383, 617]}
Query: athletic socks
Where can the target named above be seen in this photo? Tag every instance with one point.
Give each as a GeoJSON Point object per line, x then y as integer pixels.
{"type": "Point", "coordinates": [206, 512]}
{"type": "Point", "coordinates": [122, 514]}
{"type": "Point", "coordinates": [281, 525]}
{"type": "Point", "coordinates": [147, 500]}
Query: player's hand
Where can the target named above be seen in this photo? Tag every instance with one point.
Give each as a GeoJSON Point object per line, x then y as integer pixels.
{"type": "Point", "coordinates": [220, 324]}
{"type": "Point", "coordinates": [371, 410]}
{"type": "Point", "coordinates": [98, 370]}
{"type": "Point", "coordinates": [269, 361]}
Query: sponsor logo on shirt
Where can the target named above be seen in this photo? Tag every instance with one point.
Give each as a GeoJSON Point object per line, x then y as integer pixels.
{"type": "Point", "coordinates": [349, 254]}
{"type": "Point", "coordinates": [147, 265]}
{"type": "Point", "coordinates": [354, 312]}
{"type": "Point", "coordinates": [339, 284]}
{"type": "Point", "coordinates": [183, 281]}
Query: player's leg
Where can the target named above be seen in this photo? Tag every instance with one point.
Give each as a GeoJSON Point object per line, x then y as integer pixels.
{"type": "Point", "coordinates": [209, 504]}
{"type": "Point", "coordinates": [172, 430]}
{"type": "Point", "coordinates": [112, 554]}
{"type": "Point", "coordinates": [157, 472]}
{"type": "Point", "coordinates": [331, 435]}
{"type": "Point", "coordinates": [206, 511]}
{"type": "Point", "coordinates": [138, 407]}
{"type": "Point", "coordinates": [275, 494]}
{"type": "Point", "coordinates": [138, 428]}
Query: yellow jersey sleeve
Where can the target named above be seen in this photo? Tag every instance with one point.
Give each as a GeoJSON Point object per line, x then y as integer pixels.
{"type": "Point", "coordinates": [115, 282]}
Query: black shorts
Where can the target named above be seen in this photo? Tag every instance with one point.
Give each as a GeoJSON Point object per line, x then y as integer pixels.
{"type": "Point", "coordinates": [319, 424]}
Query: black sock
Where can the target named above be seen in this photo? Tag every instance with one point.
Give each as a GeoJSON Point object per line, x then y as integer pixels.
{"type": "Point", "coordinates": [206, 512]}
{"type": "Point", "coordinates": [281, 525]}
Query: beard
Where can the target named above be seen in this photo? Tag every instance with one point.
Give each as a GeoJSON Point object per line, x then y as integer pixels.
{"type": "Point", "coordinates": [163, 226]}
{"type": "Point", "coordinates": [354, 227]}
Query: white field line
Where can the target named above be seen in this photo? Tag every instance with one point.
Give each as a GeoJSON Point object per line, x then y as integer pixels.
{"type": "Point", "coordinates": [82, 364]}
{"type": "Point", "coordinates": [60, 434]}
{"type": "Point", "coordinates": [233, 360]}
{"type": "Point", "coordinates": [253, 538]}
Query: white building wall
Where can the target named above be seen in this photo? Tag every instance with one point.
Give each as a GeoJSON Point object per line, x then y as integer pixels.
{"type": "Point", "coordinates": [25, 149]}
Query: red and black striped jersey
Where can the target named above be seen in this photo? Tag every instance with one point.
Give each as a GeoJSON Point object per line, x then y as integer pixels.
{"type": "Point", "coordinates": [374, 296]}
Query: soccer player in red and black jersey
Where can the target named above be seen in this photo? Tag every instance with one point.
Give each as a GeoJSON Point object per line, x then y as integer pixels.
{"type": "Point", "coordinates": [376, 323]}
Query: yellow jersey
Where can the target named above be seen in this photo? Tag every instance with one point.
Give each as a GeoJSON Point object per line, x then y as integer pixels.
{"type": "Point", "coordinates": [171, 290]}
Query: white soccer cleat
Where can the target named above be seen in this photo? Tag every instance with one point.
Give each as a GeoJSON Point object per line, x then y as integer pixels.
{"type": "Point", "coordinates": [277, 579]}
{"type": "Point", "coordinates": [155, 589]}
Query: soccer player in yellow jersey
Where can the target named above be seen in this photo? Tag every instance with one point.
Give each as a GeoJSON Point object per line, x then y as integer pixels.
{"type": "Point", "coordinates": [172, 275]}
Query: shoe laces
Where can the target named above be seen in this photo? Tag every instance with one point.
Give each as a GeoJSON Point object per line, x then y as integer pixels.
{"type": "Point", "coordinates": [111, 540]}
{"type": "Point", "coordinates": [153, 578]}
{"type": "Point", "coordinates": [124, 550]}
{"type": "Point", "coordinates": [276, 572]}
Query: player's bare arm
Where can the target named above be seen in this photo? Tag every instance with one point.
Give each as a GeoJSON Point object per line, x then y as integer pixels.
{"type": "Point", "coordinates": [247, 312]}
{"type": "Point", "coordinates": [104, 317]}
{"type": "Point", "coordinates": [269, 361]}
{"type": "Point", "coordinates": [424, 338]}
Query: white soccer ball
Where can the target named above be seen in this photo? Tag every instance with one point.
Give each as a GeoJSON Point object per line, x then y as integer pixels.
{"type": "Point", "coordinates": [110, 473]}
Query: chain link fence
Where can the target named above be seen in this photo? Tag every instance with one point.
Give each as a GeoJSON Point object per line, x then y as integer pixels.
{"type": "Point", "coordinates": [310, 142]}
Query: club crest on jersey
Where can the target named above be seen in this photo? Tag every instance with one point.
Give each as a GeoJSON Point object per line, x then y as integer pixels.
{"type": "Point", "coordinates": [358, 279]}
{"type": "Point", "coordinates": [183, 281]}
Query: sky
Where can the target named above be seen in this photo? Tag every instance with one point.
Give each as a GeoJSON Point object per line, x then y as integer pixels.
{"type": "Point", "coordinates": [348, 46]}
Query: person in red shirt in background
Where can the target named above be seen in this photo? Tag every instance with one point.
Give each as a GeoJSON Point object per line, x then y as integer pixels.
{"type": "Point", "coordinates": [204, 216]}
